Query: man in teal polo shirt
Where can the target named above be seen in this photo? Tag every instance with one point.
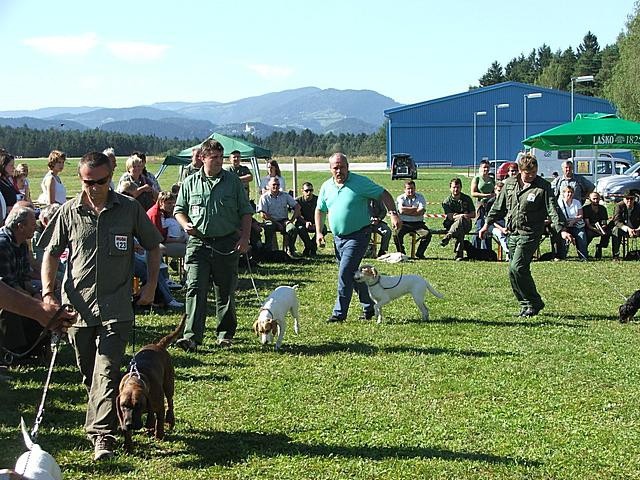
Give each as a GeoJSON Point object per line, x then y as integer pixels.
{"type": "Point", "coordinates": [346, 197]}
{"type": "Point", "coordinates": [214, 210]}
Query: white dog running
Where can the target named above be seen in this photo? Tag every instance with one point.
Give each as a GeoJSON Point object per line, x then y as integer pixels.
{"type": "Point", "coordinates": [271, 319]}
{"type": "Point", "coordinates": [35, 463]}
{"type": "Point", "coordinates": [383, 289]}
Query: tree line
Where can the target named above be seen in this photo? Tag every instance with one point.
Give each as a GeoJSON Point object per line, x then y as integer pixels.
{"type": "Point", "coordinates": [29, 142]}
{"type": "Point", "coordinates": [551, 69]}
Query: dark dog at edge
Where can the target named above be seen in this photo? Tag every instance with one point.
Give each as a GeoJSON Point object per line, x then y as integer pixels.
{"type": "Point", "coordinates": [628, 309]}
{"type": "Point", "coordinates": [143, 389]}
{"type": "Point", "coordinates": [474, 253]}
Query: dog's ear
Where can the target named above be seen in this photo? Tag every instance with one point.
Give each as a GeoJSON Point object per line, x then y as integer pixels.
{"type": "Point", "coordinates": [274, 328]}
{"type": "Point", "coordinates": [374, 271]}
{"type": "Point", "coordinates": [255, 327]}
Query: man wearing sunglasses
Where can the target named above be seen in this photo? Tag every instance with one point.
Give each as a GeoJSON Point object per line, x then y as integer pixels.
{"type": "Point", "coordinates": [99, 227]}
{"type": "Point", "coordinates": [305, 223]}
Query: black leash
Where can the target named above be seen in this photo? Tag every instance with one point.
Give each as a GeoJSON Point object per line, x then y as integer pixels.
{"type": "Point", "coordinates": [10, 356]}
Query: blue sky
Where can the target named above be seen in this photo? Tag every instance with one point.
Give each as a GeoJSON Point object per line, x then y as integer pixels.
{"type": "Point", "coordinates": [123, 53]}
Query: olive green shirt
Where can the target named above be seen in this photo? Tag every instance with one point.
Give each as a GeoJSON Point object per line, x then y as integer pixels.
{"type": "Point", "coordinates": [98, 278]}
{"type": "Point", "coordinates": [188, 170]}
{"type": "Point", "coordinates": [241, 171]}
{"type": "Point", "coordinates": [214, 205]}
{"type": "Point", "coordinates": [526, 209]}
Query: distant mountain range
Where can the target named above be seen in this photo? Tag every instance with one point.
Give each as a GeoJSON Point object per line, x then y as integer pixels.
{"type": "Point", "coordinates": [319, 110]}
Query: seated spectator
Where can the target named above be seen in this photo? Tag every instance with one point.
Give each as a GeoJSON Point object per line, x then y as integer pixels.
{"type": "Point", "coordinates": [499, 230]}
{"type": "Point", "coordinates": [596, 220]}
{"type": "Point", "coordinates": [174, 243]}
{"type": "Point", "coordinates": [581, 186]}
{"type": "Point", "coordinates": [144, 192]}
{"type": "Point", "coordinates": [572, 210]}
{"type": "Point", "coordinates": [21, 175]}
{"type": "Point", "coordinates": [15, 270]}
{"type": "Point", "coordinates": [7, 187]}
{"type": "Point", "coordinates": [379, 226]}
{"type": "Point", "coordinates": [150, 177]}
{"type": "Point", "coordinates": [459, 210]}
{"type": "Point", "coordinates": [163, 292]}
{"type": "Point", "coordinates": [412, 207]}
{"type": "Point", "coordinates": [111, 154]}
{"type": "Point", "coordinates": [305, 223]}
{"type": "Point", "coordinates": [626, 220]}
{"type": "Point", "coordinates": [46, 213]}
{"type": "Point", "coordinates": [274, 209]}
{"type": "Point", "coordinates": [482, 187]}
{"type": "Point", "coordinates": [53, 190]}
{"type": "Point", "coordinates": [274, 172]}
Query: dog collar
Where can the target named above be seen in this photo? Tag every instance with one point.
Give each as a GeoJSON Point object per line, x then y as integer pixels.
{"type": "Point", "coordinates": [268, 311]}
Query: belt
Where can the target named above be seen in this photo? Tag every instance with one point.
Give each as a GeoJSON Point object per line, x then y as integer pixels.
{"type": "Point", "coordinates": [213, 239]}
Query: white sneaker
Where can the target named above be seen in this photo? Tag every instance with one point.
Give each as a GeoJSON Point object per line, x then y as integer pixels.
{"type": "Point", "coordinates": [175, 304]}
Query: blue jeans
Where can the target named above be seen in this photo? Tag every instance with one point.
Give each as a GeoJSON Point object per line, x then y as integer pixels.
{"type": "Point", "coordinates": [349, 251]}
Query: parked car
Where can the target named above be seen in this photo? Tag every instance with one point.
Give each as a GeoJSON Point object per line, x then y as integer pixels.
{"type": "Point", "coordinates": [613, 186]}
{"type": "Point", "coordinates": [403, 166]}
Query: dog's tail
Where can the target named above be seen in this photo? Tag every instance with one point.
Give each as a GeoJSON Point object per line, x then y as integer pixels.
{"type": "Point", "coordinates": [169, 339]}
{"type": "Point", "coordinates": [295, 287]}
{"type": "Point", "coordinates": [25, 435]}
{"type": "Point", "coordinates": [435, 293]}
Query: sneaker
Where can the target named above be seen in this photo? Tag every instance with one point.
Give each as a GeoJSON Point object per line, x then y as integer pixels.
{"type": "Point", "coordinates": [173, 285]}
{"type": "Point", "coordinates": [225, 342]}
{"type": "Point", "coordinates": [445, 241]}
{"type": "Point", "coordinates": [334, 319]}
{"type": "Point", "coordinates": [175, 304]}
{"type": "Point", "coordinates": [103, 447]}
{"type": "Point", "coordinates": [187, 345]}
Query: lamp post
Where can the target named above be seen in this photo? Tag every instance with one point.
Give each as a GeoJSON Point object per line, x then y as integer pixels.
{"type": "Point", "coordinates": [581, 79]}
{"type": "Point", "coordinates": [475, 155]}
{"type": "Point", "coordinates": [495, 130]}
{"type": "Point", "coordinates": [528, 96]}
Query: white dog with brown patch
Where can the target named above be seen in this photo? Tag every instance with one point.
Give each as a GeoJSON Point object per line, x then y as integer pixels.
{"type": "Point", "coordinates": [271, 319]}
{"type": "Point", "coordinates": [383, 289]}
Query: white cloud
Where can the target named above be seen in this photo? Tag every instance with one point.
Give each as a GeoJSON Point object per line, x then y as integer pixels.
{"type": "Point", "coordinates": [271, 72]}
{"type": "Point", "coordinates": [63, 45]}
{"type": "Point", "coordinates": [137, 51]}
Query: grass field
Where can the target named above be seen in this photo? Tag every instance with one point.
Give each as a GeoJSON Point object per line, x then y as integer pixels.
{"type": "Point", "coordinates": [473, 393]}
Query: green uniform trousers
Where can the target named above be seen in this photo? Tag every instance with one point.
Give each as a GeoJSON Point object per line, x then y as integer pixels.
{"type": "Point", "coordinates": [521, 250]}
{"type": "Point", "coordinates": [211, 261]}
{"type": "Point", "coordinates": [99, 352]}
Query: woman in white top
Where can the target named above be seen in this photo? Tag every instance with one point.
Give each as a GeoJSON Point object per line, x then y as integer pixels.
{"type": "Point", "coordinates": [53, 191]}
{"type": "Point", "coordinates": [274, 171]}
{"type": "Point", "coordinates": [572, 210]}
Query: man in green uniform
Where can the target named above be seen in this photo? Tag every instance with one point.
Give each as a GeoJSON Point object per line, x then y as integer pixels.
{"type": "Point", "coordinates": [242, 171]}
{"type": "Point", "coordinates": [526, 201]}
{"type": "Point", "coordinates": [214, 210]}
{"type": "Point", "coordinates": [459, 210]}
{"type": "Point", "coordinates": [194, 166]}
{"type": "Point", "coordinates": [99, 227]}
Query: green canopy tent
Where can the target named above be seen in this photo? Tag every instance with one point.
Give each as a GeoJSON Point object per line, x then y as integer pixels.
{"type": "Point", "coordinates": [589, 131]}
{"type": "Point", "coordinates": [248, 151]}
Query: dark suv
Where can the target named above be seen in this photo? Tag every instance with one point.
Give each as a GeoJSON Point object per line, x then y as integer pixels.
{"type": "Point", "coordinates": [403, 166]}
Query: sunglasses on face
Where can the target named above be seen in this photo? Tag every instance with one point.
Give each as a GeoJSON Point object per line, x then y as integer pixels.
{"type": "Point", "coordinates": [308, 190]}
{"type": "Point", "coordinates": [101, 181]}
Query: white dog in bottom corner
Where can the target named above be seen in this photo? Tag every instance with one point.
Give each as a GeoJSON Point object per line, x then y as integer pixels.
{"type": "Point", "coordinates": [36, 464]}
{"type": "Point", "coordinates": [383, 289]}
{"type": "Point", "coordinates": [271, 319]}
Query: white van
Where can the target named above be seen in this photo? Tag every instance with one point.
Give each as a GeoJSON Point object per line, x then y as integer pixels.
{"type": "Point", "coordinates": [584, 162]}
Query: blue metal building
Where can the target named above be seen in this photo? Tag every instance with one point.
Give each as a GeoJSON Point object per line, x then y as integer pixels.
{"type": "Point", "coordinates": [441, 131]}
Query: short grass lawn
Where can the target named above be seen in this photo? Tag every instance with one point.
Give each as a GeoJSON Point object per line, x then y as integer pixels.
{"type": "Point", "coordinates": [474, 393]}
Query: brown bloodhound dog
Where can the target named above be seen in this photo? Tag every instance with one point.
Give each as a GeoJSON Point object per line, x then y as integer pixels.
{"type": "Point", "coordinates": [143, 389]}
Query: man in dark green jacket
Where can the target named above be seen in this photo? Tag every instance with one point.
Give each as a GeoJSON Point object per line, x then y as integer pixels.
{"type": "Point", "coordinates": [526, 202]}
